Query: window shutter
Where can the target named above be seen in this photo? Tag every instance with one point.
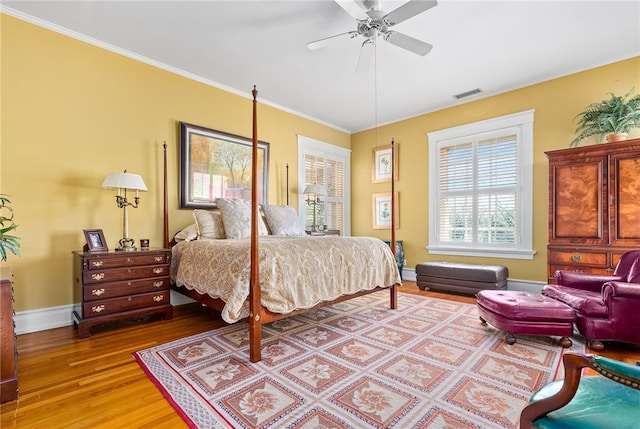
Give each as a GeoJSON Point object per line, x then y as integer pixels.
{"type": "Point", "coordinates": [329, 173]}
{"type": "Point", "coordinates": [477, 188]}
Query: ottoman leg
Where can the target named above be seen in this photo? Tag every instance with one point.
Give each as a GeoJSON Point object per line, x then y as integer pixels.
{"type": "Point", "coordinates": [565, 342]}
{"type": "Point", "coordinates": [510, 339]}
{"type": "Point", "coordinates": [484, 322]}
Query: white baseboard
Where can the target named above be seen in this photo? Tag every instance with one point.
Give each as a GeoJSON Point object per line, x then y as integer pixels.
{"type": "Point", "coordinates": [43, 319]}
{"type": "Point", "coordinates": [57, 317]}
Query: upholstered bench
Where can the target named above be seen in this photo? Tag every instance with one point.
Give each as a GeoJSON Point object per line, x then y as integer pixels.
{"type": "Point", "coordinates": [460, 277]}
{"type": "Point", "coordinates": [525, 313]}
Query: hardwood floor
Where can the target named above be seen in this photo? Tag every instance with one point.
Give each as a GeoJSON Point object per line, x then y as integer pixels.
{"type": "Point", "coordinates": [65, 382]}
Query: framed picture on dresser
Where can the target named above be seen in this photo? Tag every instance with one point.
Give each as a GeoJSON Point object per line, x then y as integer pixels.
{"type": "Point", "coordinates": [95, 240]}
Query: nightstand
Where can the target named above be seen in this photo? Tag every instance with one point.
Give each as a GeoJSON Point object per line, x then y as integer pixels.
{"type": "Point", "coordinates": [323, 232]}
{"type": "Point", "coordinates": [117, 285]}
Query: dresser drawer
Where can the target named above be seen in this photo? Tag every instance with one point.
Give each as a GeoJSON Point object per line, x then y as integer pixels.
{"type": "Point", "coordinates": [128, 273]}
{"type": "Point", "coordinates": [578, 258]}
{"type": "Point", "coordinates": [579, 269]}
{"type": "Point", "coordinates": [97, 291]}
{"type": "Point", "coordinates": [116, 305]}
{"type": "Point", "coordinates": [100, 262]}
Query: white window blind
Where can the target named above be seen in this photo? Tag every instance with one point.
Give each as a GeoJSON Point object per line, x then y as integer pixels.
{"type": "Point", "coordinates": [478, 185]}
{"type": "Point", "coordinates": [480, 188]}
{"type": "Point", "coordinates": [329, 166]}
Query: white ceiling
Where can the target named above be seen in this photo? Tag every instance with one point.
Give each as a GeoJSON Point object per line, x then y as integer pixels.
{"type": "Point", "coordinates": [492, 45]}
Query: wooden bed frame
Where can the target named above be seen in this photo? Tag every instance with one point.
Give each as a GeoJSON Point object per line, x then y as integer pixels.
{"type": "Point", "coordinates": [258, 315]}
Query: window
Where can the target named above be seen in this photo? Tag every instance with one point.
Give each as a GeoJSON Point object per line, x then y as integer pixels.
{"type": "Point", "coordinates": [480, 188]}
{"type": "Point", "coordinates": [329, 166]}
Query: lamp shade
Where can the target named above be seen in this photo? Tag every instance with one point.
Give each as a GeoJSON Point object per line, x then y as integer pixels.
{"type": "Point", "coordinates": [124, 181]}
{"type": "Point", "coordinates": [315, 189]}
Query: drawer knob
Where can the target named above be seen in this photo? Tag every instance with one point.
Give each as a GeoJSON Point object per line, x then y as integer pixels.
{"type": "Point", "coordinates": [158, 270]}
{"type": "Point", "coordinates": [97, 308]}
{"type": "Point", "coordinates": [158, 284]}
{"type": "Point", "coordinates": [97, 292]}
{"type": "Point", "coordinates": [97, 264]}
{"type": "Point", "coordinates": [159, 258]}
{"type": "Point", "coordinates": [576, 258]}
{"type": "Point", "coordinates": [158, 298]}
{"type": "Point", "coordinates": [97, 276]}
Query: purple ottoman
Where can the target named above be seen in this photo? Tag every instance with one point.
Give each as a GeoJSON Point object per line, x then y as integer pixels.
{"type": "Point", "coordinates": [525, 313]}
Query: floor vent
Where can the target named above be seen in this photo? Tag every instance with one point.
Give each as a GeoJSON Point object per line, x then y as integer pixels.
{"type": "Point", "coordinates": [468, 93]}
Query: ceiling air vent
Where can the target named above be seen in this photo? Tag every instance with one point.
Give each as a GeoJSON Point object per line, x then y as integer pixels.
{"type": "Point", "coordinates": [468, 93]}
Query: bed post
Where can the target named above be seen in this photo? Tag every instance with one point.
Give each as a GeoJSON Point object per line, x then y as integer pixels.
{"type": "Point", "coordinates": [165, 219]}
{"type": "Point", "coordinates": [394, 290]}
{"type": "Point", "coordinates": [287, 172]}
{"type": "Point", "coordinates": [255, 313]}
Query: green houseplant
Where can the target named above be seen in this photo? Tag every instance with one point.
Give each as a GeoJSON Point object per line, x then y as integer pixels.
{"type": "Point", "coordinates": [7, 241]}
{"type": "Point", "coordinates": [616, 115]}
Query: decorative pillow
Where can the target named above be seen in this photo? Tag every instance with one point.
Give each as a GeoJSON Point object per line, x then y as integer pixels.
{"type": "Point", "coordinates": [236, 218]}
{"type": "Point", "coordinates": [209, 223]}
{"type": "Point", "coordinates": [283, 220]}
{"type": "Point", "coordinates": [187, 234]}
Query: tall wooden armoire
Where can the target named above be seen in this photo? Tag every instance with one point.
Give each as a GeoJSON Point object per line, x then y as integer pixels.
{"type": "Point", "coordinates": [594, 206]}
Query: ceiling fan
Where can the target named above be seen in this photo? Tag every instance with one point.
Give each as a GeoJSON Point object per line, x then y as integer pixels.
{"type": "Point", "coordinates": [373, 22]}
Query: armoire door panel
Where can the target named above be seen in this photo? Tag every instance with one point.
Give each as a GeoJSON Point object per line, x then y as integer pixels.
{"type": "Point", "coordinates": [626, 208]}
{"type": "Point", "coordinates": [579, 210]}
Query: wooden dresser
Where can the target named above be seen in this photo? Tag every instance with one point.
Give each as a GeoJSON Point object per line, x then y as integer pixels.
{"type": "Point", "coordinates": [116, 285]}
{"type": "Point", "coordinates": [8, 352]}
{"type": "Point", "coordinates": [594, 206]}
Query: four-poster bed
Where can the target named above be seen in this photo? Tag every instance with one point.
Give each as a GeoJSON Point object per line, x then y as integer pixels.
{"type": "Point", "coordinates": [286, 275]}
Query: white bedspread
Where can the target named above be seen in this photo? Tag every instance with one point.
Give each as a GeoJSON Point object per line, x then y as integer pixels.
{"type": "Point", "coordinates": [295, 272]}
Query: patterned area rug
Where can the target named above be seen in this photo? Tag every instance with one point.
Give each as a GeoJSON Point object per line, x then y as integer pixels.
{"type": "Point", "coordinates": [357, 364]}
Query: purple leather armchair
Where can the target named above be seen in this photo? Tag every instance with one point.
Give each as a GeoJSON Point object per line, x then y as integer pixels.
{"type": "Point", "coordinates": [607, 306]}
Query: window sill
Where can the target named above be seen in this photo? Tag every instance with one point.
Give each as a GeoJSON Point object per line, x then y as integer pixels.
{"type": "Point", "coordinates": [487, 253]}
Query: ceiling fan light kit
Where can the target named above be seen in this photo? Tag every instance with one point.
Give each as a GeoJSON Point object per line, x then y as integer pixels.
{"type": "Point", "coordinates": [372, 22]}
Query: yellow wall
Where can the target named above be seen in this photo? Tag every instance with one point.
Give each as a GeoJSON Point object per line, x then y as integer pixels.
{"type": "Point", "coordinates": [556, 103]}
{"type": "Point", "coordinates": [72, 113]}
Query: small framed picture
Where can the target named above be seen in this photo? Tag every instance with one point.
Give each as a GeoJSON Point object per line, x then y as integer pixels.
{"type": "Point", "coordinates": [382, 211]}
{"type": "Point", "coordinates": [95, 240]}
{"type": "Point", "coordinates": [382, 164]}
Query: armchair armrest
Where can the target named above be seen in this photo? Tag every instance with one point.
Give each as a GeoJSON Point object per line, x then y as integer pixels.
{"type": "Point", "coordinates": [585, 281]}
{"type": "Point", "coordinates": [623, 373]}
{"type": "Point", "coordinates": [620, 289]}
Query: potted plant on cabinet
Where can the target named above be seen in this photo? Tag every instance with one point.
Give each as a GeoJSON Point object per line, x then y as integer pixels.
{"type": "Point", "coordinates": [8, 242]}
{"type": "Point", "coordinates": [612, 118]}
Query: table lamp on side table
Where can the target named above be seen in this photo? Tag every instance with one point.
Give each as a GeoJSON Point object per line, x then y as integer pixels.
{"type": "Point", "coordinates": [317, 191]}
{"type": "Point", "coordinates": [124, 182]}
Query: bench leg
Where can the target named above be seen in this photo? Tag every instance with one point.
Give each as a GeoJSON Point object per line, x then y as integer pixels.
{"type": "Point", "coordinates": [510, 339]}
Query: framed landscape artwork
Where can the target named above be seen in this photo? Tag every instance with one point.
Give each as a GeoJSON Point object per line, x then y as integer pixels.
{"type": "Point", "coordinates": [215, 164]}
{"type": "Point", "coordinates": [382, 211]}
{"type": "Point", "coordinates": [382, 164]}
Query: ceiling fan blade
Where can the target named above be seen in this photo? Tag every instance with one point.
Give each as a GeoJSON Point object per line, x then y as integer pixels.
{"type": "Point", "coordinates": [366, 52]}
{"type": "Point", "coordinates": [352, 8]}
{"type": "Point", "coordinates": [331, 40]}
{"type": "Point", "coordinates": [409, 43]}
{"type": "Point", "coordinates": [408, 10]}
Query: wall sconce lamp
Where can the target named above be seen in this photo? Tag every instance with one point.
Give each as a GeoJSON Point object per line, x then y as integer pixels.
{"type": "Point", "coordinates": [317, 191]}
{"type": "Point", "coordinates": [124, 182]}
